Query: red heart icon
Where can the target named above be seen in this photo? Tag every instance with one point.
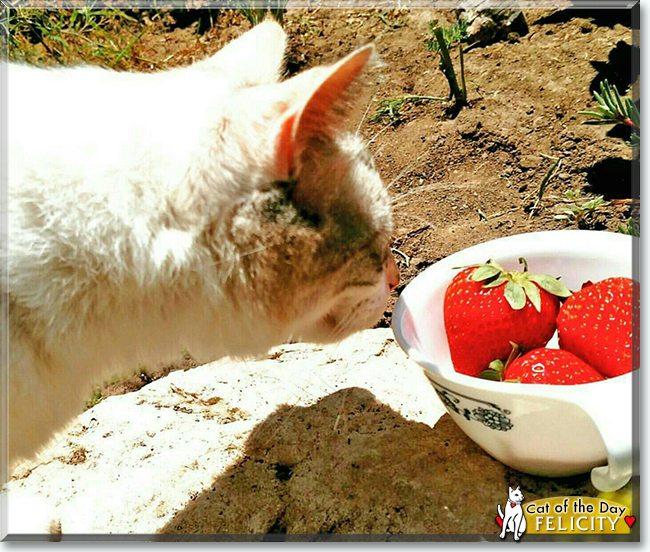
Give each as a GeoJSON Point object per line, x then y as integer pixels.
{"type": "Point", "coordinates": [630, 520]}
{"type": "Point", "coordinates": [500, 521]}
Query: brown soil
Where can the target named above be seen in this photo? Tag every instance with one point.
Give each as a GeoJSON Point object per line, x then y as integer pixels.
{"type": "Point", "coordinates": [455, 181]}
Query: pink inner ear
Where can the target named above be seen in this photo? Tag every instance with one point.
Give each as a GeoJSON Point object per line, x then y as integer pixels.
{"type": "Point", "coordinates": [311, 118]}
{"type": "Point", "coordinates": [284, 149]}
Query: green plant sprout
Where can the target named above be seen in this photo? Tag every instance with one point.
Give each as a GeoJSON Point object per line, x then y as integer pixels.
{"type": "Point", "coordinates": [614, 110]}
{"type": "Point", "coordinates": [631, 228]}
{"type": "Point", "coordinates": [576, 211]}
{"type": "Point", "coordinates": [390, 108]}
{"type": "Point", "coordinates": [452, 35]}
{"type": "Point", "coordinates": [544, 183]}
{"type": "Point", "coordinates": [397, 24]}
{"type": "Point", "coordinates": [456, 91]}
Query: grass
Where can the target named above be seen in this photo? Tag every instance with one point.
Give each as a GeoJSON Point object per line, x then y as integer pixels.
{"type": "Point", "coordinates": [103, 36]}
{"type": "Point", "coordinates": [255, 15]}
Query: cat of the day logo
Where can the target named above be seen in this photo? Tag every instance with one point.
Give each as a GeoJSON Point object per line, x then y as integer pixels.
{"type": "Point", "coordinates": [512, 519]}
{"type": "Point", "coordinates": [573, 515]}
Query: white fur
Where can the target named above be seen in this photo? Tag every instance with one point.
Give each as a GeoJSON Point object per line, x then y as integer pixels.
{"type": "Point", "coordinates": [128, 236]}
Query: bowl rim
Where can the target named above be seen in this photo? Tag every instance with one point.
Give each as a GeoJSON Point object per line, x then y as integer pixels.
{"type": "Point", "coordinates": [435, 372]}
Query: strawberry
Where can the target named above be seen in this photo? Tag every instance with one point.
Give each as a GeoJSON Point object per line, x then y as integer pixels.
{"type": "Point", "coordinates": [487, 308]}
{"type": "Point", "coordinates": [595, 324]}
{"type": "Point", "coordinates": [551, 366]}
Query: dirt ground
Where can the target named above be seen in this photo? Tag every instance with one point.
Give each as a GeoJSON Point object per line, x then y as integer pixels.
{"type": "Point", "coordinates": [455, 181]}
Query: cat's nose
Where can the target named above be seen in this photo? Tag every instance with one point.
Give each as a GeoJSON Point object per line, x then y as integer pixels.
{"type": "Point", "coordinates": [392, 273]}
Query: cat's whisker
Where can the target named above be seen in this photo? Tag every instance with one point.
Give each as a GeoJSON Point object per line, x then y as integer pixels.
{"type": "Point", "coordinates": [415, 217]}
{"type": "Point", "coordinates": [365, 113]}
{"type": "Point", "coordinates": [378, 134]}
{"type": "Point", "coordinates": [417, 190]}
{"type": "Point", "coordinates": [404, 171]}
{"type": "Point", "coordinates": [342, 324]}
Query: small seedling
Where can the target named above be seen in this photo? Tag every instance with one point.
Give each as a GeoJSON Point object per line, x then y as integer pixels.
{"type": "Point", "coordinates": [396, 24]}
{"type": "Point", "coordinates": [456, 91]}
{"type": "Point", "coordinates": [544, 183]}
{"type": "Point", "coordinates": [631, 228]}
{"type": "Point", "coordinates": [576, 211]}
{"type": "Point", "coordinates": [614, 110]}
{"type": "Point", "coordinates": [389, 109]}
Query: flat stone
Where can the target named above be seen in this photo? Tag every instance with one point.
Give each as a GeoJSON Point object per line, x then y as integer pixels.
{"type": "Point", "coordinates": [345, 439]}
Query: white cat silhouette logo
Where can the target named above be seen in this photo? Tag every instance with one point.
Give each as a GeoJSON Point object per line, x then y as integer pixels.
{"type": "Point", "coordinates": [514, 520]}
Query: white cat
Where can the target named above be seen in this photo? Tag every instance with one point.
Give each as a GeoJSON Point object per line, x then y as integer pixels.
{"type": "Point", "coordinates": [209, 207]}
{"type": "Point", "coordinates": [514, 520]}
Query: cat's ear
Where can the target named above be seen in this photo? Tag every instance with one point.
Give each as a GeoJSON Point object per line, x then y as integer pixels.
{"type": "Point", "coordinates": [255, 58]}
{"type": "Point", "coordinates": [509, 490]}
{"type": "Point", "coordinates": [314, 110]}
{"type": "Point", "coordinates": [517, 488]}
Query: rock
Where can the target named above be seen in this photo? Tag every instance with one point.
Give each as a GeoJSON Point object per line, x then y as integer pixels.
{"type": "Point", "coordinates": [529, 161]}
{"type": "Point", "coordinates": [488, 26]}
{"type": "Point", "coordinates": [348, 438]}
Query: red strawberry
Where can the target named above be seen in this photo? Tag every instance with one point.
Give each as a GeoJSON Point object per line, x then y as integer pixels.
{"type": "Point", "coordinates": [595, 324]}
{"type": "Point", "coordinates": [487, 308]}
{"type": "Point", "coordinates": [551, 366]}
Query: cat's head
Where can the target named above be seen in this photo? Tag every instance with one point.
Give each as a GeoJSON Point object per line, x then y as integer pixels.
{"type": "Point", "coordinates": [312, 224]}
{"type": "Point", "coordinates": [515, 495]}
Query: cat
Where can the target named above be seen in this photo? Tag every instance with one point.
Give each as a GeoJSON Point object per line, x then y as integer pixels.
{"type": "Point", "coordinates": [514, 520]}
{"type": "Point", "coordinates": [213, 207]}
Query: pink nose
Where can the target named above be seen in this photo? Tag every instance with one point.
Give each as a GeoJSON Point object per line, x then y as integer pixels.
{"type": "Point", "coordinates": [392, 273]}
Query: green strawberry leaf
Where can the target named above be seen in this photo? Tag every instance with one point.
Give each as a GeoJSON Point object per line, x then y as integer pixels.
{"type": "Point", "coordinates": [485, 272]}
{"type": "Point", "coordinates": [550, 284]}
{"type": "Point", "coordinates": [491, 375]}
{"type": "Point", "coordinates": [532, 292]}
{"type": "Point", "coordinates": [496, 283]}
{"type": "Point", "coordinates": [515, 295]}
{"type": "Point", "coordinates": [496, 365]}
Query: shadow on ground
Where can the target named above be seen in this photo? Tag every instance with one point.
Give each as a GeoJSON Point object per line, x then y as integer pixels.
{"type": "Point", "coordinates": [600, 17]}
{"type": "Point", "coordinates": [619, 69]}
{"type": "Point", "coordinates": [352, 465]}
{"type": "Point", "coordinates": [611, 178]}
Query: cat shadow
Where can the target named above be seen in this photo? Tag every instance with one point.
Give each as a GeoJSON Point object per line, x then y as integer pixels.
{"type": "Point", "coordinates": [351, 465]}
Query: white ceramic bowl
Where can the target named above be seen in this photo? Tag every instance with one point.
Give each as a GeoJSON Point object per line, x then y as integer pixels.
{"type": "Point", "coordinates": [551, 430]}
